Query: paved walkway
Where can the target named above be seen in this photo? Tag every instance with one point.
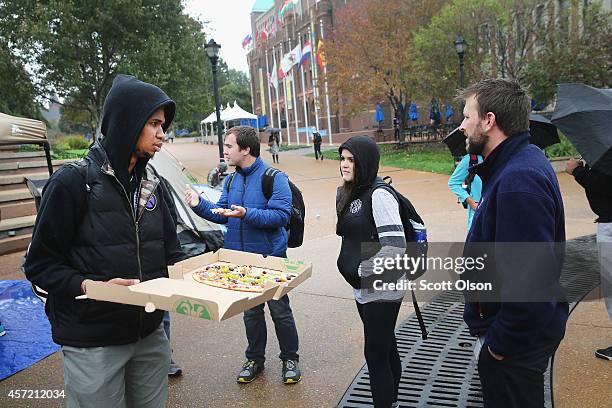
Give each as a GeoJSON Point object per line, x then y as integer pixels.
{"type": "Point", "coordinates": [329, 327]}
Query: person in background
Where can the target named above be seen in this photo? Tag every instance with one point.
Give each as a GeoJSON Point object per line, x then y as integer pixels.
{"type": "Point", "coordinates": [467, 186]}
{"type": "Point", "coordinates": [274, 143]}
{"type": "Point", "coordinates": [598, 189]}
{"type": "Point", "coordinates": [316, 143]}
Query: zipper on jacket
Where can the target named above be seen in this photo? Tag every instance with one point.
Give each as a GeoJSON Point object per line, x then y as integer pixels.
{"type": "Point", "coordinates": [242, 204]}
{"type": "Point", "coordinates": [127, 197]}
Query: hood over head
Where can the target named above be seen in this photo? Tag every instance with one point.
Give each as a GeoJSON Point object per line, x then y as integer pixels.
{"type": "Point", "coordinates": [128, 105]}
{"type": "Point", "coordinates": [366, 155]}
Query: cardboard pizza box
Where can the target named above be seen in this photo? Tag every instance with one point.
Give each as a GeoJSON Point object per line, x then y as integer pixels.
{"type": "Point", "coordinates": [181, 294]}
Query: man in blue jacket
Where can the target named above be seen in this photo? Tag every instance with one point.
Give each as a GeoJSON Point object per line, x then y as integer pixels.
{"type": "Point", "coordinates": [255, 225]}
{"type": "Point", "coordinates": [520, 327]}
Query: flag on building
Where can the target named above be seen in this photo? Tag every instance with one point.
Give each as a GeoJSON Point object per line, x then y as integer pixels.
{"type": "Point", "coordinates": [290, 59]}
{"type": "Point", "coordinates": [306, 52]}
{"type": "Point", "coordinates": [320, 54]}
{"type": "Point", "coordinates": [264, 35]}
{"type": "Point", "coordinates": [287, 6]}
{"type": "Point", "coordinates": [248, 40]}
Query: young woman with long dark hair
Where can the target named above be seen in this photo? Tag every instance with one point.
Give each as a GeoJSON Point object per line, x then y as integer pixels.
{"type": "Point", "coordinates": [370, 225]}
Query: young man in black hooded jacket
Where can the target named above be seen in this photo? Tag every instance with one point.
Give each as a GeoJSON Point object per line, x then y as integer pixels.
{"type": "Point", "coordinates": [106, 219]}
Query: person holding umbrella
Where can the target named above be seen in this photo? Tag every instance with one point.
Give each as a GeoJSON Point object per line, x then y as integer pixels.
{"type": "Point", "coordinates": [584, 114]}
{"type": "Point", "coordinates": [598, 188]}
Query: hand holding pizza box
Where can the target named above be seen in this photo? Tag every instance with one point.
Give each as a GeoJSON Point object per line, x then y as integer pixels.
{"type": "Point", "coordinates": [205, 287]}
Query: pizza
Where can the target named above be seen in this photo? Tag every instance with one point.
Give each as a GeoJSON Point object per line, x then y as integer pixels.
{"type": "Point", "coordinates": [222, 211]}
{"type": "Point", "coordinates": [243, 278]}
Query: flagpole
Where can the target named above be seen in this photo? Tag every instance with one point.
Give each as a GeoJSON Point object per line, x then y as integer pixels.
{"type": "Point", "coordinates": [280, 133]}
{"type": "Point", "coordinates": [326, 91]}
{"type": "Point", "coordinates": [285, 98]}
{"type": "Point", "coordinates": [294, 96]}
{"type": "Point", "coordinates": [304, 92]}
{"type": "Point", "coordinates": [269, 90]}
{"type": "Point", "coordinates": [313, 77]}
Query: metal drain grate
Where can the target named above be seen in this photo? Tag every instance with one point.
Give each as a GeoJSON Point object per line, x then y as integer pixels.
{"type": "Point", "coordinates": [441, 371]}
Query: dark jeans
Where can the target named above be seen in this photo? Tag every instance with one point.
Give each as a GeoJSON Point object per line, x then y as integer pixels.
{"type": "Point", "coordinates": [317, 150]}
{"type": "Point", "coordinates": [380, 349]}
{"type": "Point", "coordinates": [516, 381]}
{"type": "Point", "coordinates": [257, 334]}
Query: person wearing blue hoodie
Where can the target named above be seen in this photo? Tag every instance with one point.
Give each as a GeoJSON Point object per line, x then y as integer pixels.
{"type": "Point", "coordinates": [521, 206]}
{"type": "Point", "coordinates": [255, 225]}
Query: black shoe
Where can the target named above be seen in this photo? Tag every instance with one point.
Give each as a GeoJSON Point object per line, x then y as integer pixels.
{"type": "Point", "coordinates": [175, 370]}
{"type": "Point", "coordinates": [249, 371]}
{"type": "Point", "coordinates": [291, 372]}
{"type": "Point", "coordinates": [606, 353]}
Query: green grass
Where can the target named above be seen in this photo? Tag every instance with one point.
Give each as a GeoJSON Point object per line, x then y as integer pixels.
{"type": "Point", "coordinates": [285, 147]}
{"type": "Point", "coordinates": [69, 154]}
{"type": "Point", "coordinates": [430, 158]}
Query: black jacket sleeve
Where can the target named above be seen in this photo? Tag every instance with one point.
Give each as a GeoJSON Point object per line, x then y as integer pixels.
{"type": "Point", "coordinates": [61, 209]}
{"type": "Point", "coordinates": [592, 181]}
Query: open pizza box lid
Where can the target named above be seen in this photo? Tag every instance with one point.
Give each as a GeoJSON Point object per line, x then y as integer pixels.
{"type": "Point", "coordinates": [182, 294]}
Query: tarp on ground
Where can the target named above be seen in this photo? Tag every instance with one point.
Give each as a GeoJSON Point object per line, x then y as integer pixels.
{"type": "Point", "coordinates": [15, 130]}
{"type": "Point", "coordinates": [28, 333]}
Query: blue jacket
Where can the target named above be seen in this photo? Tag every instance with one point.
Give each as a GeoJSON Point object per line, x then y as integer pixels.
{"type": "Point", "coordinates": [521, 203]}
{"type": "Point", "coordinates": [455, 183]}
{"type": "Point", "coordinates": [262, 230]}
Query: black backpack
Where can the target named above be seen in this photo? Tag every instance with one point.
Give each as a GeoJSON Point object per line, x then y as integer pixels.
{"type": "Point", "coordinates": [317, 139]}
{"type": "Point", "coordinates": [417, 249]}
{"type": "Point", "coordinates": [295, 227]}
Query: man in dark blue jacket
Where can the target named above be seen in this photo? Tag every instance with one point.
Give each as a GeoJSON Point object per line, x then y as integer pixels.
{"type": "Point", "coordinates": [255, 225]}
{"type": "Point", "coordinates": [520, 224]}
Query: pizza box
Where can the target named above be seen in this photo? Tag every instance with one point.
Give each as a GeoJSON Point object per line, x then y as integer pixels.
{"type": "Point", "coordinates": [181, 294]}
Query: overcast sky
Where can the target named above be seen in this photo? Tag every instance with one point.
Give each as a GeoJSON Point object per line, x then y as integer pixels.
{"type": "Point", "coordinates": [229, 21]}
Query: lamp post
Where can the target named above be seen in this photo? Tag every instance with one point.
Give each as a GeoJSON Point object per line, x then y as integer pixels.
{"type": "Point", "coordinates": [460, 46]}
{"type": "Point", "coordinates": [212, 49]}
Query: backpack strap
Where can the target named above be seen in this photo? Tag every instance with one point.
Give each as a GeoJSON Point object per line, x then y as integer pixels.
{"type": "Point", "coordinates": [229, 181]}
{"type": "Point", "coordinates": [267, 181]}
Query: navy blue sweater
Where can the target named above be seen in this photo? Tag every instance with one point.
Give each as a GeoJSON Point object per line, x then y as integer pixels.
{"type": "Point", "coordinates": [521, 203]}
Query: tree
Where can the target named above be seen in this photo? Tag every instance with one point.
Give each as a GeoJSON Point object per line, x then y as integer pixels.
{"type": "Point", "coordinates": [79, 47]}
{"type": "Point", "coordinates": [501, 36]}
{"type": "Point", "coordinates": [234, 86]}
{"type": "Point", "coordinates": [367, 62]}
{"type": "Point", "coordinates": [585, 56]}
{"type": "Point", "coordinates": [17, 92]}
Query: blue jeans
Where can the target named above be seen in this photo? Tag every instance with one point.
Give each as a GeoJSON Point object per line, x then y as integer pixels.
{"type": "Point", "coordinates": [284, 324]}
{"type": "Point", "coordinates": [167, 324]}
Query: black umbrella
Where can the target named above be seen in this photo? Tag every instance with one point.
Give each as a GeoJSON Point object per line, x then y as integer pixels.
{"type": "Point", "coordinates": [543, 134]}
{"type": "Point", "coordinates": [273, 130]}
{"type": "Point", "coordinates": [584, 115]}
{"type": "Point", "coordinates": [456, 143]}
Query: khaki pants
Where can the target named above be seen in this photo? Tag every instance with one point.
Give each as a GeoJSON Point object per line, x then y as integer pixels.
{"type": "Point", "coordinates": [131, 375]}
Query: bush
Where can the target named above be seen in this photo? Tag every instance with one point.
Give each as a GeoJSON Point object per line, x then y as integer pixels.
{"type": "Point", "coordinates": [562, 149]}
{"type": "Point", "coordinates": [73, 142]}
{"type": "Point", "coordinates": [193, 134]}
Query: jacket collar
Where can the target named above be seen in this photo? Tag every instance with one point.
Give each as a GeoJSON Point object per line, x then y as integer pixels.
{"type": "Point", "coordinates": [253, 167]}
{"type": "Point", "coordinates": [500, 156]}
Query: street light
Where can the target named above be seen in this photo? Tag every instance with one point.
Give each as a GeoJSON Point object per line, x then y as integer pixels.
{"type": "Point", "coordinates": [212, 49]}
{"type": "Point", "coordinates": [460, 46]}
